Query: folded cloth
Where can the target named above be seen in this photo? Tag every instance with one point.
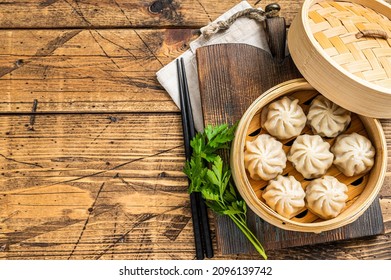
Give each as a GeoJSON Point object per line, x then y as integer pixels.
{"type": "Point", "coordinates": [243, 30]}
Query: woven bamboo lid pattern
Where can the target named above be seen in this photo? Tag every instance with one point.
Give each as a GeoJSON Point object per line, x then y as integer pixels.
{"type": "Point", "coordinates": [343, 49]}
{"type": "Point", "coordinates": [356, 37]}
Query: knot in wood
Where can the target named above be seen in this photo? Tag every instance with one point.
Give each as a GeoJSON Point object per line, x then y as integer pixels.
{"type": "Point", "coordinates": [156, 7]}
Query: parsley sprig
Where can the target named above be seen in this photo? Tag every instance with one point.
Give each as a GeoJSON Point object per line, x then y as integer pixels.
{"type": "Point", "coordinates": [209, 175]}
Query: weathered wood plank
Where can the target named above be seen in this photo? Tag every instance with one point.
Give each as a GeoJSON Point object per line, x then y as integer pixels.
{"type": "Point", "coordinates": [88, 186]}
{"type": "Point", "coordinates": [73, 148]}
{"type": "Point", "coordinates": [121, 13]}
{"type": "Point", "coordinates": [87, 70]}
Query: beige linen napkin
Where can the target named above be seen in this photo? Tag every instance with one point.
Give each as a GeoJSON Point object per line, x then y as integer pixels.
{"type": "Point", "coordinates": [243, 30]}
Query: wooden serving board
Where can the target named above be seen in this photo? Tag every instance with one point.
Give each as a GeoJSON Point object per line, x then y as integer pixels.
{"type": "Point", "coordinates": [231, 77]}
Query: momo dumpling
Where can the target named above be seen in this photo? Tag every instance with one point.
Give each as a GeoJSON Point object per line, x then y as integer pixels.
{"type": "Point", "coordinates": [354, 154]}
{"type": "Point", "coordinates": [264, 158]}
{"type": "Point", "coordinates": [326, 118]}
{"type": "Point", "coordinates": [284, 118]}
{"type": "Point", "coordinates": [326, 197]}
{"type": "Point", "coordinates": [285, 195]}
{"type": "Point", "coordinates": [311, 156]}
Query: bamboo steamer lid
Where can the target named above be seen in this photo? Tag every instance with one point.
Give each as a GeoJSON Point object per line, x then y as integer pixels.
{"type": "Point", "coordinates": [343, 49]}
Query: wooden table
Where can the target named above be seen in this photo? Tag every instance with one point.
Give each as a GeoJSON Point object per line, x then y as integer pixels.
{"type": "Point", "coordinates": [91, 148]}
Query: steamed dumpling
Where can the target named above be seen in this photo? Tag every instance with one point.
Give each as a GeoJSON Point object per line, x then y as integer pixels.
{"type": "Point", "coordinates": [354, 154]}
{"type": "Point", "coordinates": [311, 156]}
{"type": "Point", "coordinates": [264, 157]}
{"type": "Point", "coordinates": [326, 118]}
{"type": "Point", "coordinates": [285, 195]}
{"type": "Point", "coordinates": [326, 197]}
{"type": "Point", "coordinates": [284, 118]}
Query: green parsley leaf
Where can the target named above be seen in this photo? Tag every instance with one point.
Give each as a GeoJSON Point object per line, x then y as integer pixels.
{"type": "Point", "coordinates": [210, 175]}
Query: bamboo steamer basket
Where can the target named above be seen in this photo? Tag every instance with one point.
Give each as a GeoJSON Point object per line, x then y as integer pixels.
{"type": "Point", "coordinates": [363, 189]}
{"type": "Point", "coordinates": [346, 43]}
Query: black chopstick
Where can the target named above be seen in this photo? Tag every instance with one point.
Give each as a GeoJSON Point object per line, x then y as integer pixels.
{"type": "Point", "coordinates": [207, 240]}
{"type": "Point", "coordinates": [188, 151]}
{"type": "Point", "coordinates": [203, 241]}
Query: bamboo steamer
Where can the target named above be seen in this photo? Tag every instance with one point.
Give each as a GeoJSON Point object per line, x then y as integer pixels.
{"type": "Point", "coordinates": [346, 43]}
{"type": "Point", "coordinates": [363, 189]}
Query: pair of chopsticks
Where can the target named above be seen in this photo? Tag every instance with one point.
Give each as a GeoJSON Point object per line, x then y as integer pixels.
{"type": "Point", "coordinates": [202, 238]}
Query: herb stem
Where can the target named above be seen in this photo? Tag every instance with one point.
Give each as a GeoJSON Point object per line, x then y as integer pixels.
{"type": "Point", "coordinates": [241, 224]}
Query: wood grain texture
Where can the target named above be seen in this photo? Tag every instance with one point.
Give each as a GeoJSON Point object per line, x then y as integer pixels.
{"type": "Point", "coordinates": [121, 13]}
{"type": "Point", "coordinates": [238, 89]}
{"type": "Point", "coordinates": [87, 186]}
{"type": "Point", "coordinates": [105, 181]}
{"type": "Point", "coordinates": [87, 70]}
{"type": "Point", "coordinates": [125, 14]}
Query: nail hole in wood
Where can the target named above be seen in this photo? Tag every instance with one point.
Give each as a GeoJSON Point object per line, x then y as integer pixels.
{"type": "Point", "coordinates": [19, 62]}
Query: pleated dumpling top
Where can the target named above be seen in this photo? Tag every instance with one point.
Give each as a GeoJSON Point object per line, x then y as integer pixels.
{"type": "Point", "coordinates": [264, 157]}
